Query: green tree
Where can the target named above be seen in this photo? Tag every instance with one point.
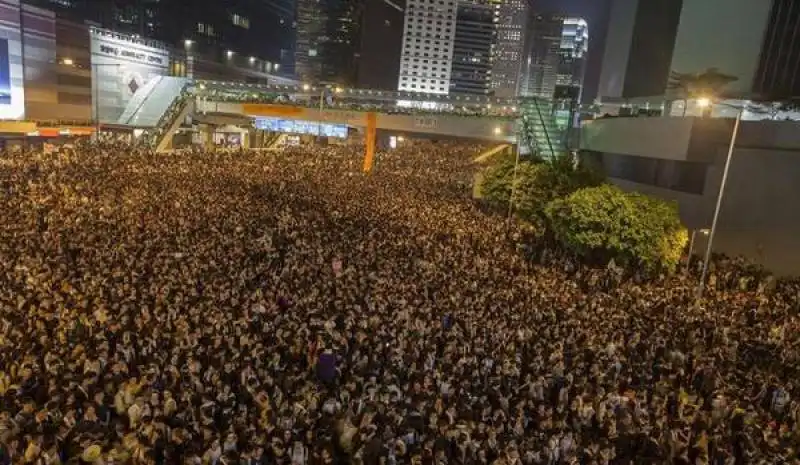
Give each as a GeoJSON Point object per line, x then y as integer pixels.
{"type": "Point", "coordinates": [603, 223]}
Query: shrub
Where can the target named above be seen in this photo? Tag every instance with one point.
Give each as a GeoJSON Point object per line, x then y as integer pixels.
{"type": "Point", "coordinates": [495, 181]}
{"type": "Point", "coordinates": [537, 183]}
{"type": "Point", "coordinates": [604, 223]}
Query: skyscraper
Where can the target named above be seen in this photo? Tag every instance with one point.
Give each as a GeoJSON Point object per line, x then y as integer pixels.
{"type": "Point", "coordinates": [328, 40]}
{"type": "Point", "coordinates": [572, 52]}
{"type": "Point", "coordinates": [639, 47]}
{"type": "Point", "coordinates": [778, 73]}
{"type": "Point", "coordinates": [555, 59]}
{"type": "Point", "coordinates": [472, 48]}
{"type": "Point", "coordinates": [379, 60]}
{"type": "Point", "coordinates": [540, 67]}
{"type": "Point", "coordinates": [311, 19]}
{"type": "Point", "coordinates": [427, 52]}
{"type": "Point", "coordinates": [261, 29]}
{"type": "Point", "coordinates": [511, 17]}
{"type": "Point", "coordinates": [753, 41]}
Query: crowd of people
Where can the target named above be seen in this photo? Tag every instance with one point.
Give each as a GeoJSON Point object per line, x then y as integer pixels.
{"type": "Point", "coordinates": [284, 308]}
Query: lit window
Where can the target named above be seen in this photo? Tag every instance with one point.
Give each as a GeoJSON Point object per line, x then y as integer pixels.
{"type": "Point", "coordinates": [240, 21]}
{"type": "Point", "coordinates": [205, 29]}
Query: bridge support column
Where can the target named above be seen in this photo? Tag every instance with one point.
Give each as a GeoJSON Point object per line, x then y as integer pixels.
{"type": "Point", "coordinates": [370, 136]}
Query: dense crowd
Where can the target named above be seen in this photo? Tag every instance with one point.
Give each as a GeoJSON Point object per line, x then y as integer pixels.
{"type": "Point", "coordinates": [284, 308]}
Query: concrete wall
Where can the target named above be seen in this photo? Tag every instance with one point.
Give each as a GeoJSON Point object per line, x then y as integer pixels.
{"type": "Point", "coordinates": [39, 47]}
{"type": "Point", "coordinates": [74, 82]}
{"type": "Point", "coordinates": [666, 138]}
{"type": "Point", "coordinates": [759, 215]}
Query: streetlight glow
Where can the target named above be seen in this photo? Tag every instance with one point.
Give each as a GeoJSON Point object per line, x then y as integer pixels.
{"type": "Point", "coordinates": [306, 87]}
{"type": "Point", "coordinates": [68, 61]}
{"type": "Point", "coordinates": [188, 43]}
{"type": "Point", "coordinates": [703, 102]}
{"type": "Point", "coordinates": [498, 130]}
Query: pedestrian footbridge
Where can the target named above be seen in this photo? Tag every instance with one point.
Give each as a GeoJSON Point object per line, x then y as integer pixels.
{"type": "Point", "coordinates": [170, 103]}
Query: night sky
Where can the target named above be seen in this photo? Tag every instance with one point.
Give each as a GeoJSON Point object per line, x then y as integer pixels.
{"type": "Point", "coordinates": [596, 14]}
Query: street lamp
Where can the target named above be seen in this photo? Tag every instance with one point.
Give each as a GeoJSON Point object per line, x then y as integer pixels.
{"type": "Point", "coordinates": [703, 102]}
{"type": "Point", "coordinates": [691, 245]}
{"type": "Point", "coordinates": [720, 193]}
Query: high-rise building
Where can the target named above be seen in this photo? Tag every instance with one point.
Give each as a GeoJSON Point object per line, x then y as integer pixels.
{"type": "Point", "coordinates": [778, 73]}
{"type": "Point", "coordinates": [381, 44]}
{"type": "Point", "coordinates": [572, 53]}
{"type": "Point", "coordinates": [472, 48]}
{"type": "Point", "coordinates": [555, 59]}
{"type": "Point", "coordinates": [428, 40]}
{"type": "Point", "coordinates": [639, 46]}
{"type": "Point", "coordinates": [540, 67]}
{"type": "Point", "coordinates": [511, 18]}
{"type": "Point", "coordinates": [753, 41]}
{"type": "Point", "coordinates": [311, 24]}
{"type": "Point", "coordinates": [328, 40]}
{"type": "Point", "coordinates": [256, 33]}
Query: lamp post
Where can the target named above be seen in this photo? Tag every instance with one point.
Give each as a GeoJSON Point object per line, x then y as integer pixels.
{"type": "Point", "coordinates": [704, 102]}
{"type": "Point", "coordinates": [691, 245]}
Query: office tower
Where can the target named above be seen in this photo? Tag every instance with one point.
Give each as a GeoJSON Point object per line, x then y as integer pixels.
{"type": "Point", "coordinates": [639, 46]}
{"type": "Point", "coordinates": [778, 74]}
{"type": "Point", "coordinates": [254, 33]}
{"type": "Point", "coordinates": [540, 68]}
{"type": "Point", "coordinates": [472, 49]}
{"type": "Point", "coordinates": [310, 35]}
{"type": "Point", "coordinates": [555, 60]}
{"type": "Point", "coordinates": [511, 18]}
{"type": "Point", "coordinates": [381, 44]}
{"type": "Point", "coordinates": [753, 41]}
{"type": "Point", "coordinates": [427, 51]}
{"type": "Point", "coordinates": [328, 40]}
{"type": "Point", "coordinates": [573, 48]}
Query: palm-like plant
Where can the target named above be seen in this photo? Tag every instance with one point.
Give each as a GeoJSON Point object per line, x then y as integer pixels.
{"type": "Point", "coordinates": [691, 85]}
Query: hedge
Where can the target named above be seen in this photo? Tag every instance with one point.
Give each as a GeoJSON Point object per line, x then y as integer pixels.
{"type": "Point", "coordinates": [604, 223]}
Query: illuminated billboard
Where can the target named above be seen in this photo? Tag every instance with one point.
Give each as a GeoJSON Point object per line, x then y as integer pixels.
{"type": "Point", "coordinates": [122, 67]}
{"type": "Point", "coordinates": [12, 90]}
{"type": "Point", "coordinates": [301, 127]}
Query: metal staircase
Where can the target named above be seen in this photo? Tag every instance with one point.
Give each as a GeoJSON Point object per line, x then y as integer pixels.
{"type": "Point", "coordinates": [173, 119]}
{"type": "Point", "coordinates": [539, 131]}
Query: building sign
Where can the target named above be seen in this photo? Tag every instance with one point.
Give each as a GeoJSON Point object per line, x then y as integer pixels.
{"type": "Point", "coordinates": [426, 122]}
{"type": "Point", "coordinates": [131, 54]}
{"type": "Point", "coordinates": [122, 67]}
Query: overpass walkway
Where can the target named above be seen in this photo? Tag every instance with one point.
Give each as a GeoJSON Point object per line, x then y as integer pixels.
{"type": "Point", "coordinates": [170, 102]}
